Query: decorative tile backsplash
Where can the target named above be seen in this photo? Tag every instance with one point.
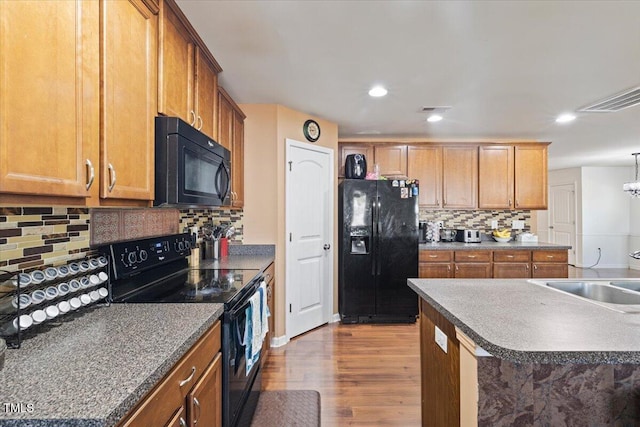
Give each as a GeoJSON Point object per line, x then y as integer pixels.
{"type": "Point", "coordinates": [478, 220]}
{"type": "Point", "coordinates": [32, 237]}
{"type": "Point", "coordinates": [116, 225]}
{"type": "Point", "coordinates": [200, 217]}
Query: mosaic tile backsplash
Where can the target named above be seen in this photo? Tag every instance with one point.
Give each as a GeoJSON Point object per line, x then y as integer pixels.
{"type": "Point", "coordinates": [32, 237]}
{"type": "Point", "coordinates": [477, 220]}
{"type": "Point", "coordinates": [200, 217]}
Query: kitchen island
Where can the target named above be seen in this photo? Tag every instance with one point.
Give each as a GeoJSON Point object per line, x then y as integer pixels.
{"type": "Point", "coordinates": [93, 369]}
{"type": "Point", "coordinates": [518, 353]}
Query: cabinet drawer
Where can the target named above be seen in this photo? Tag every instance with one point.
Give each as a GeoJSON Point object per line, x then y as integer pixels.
{"type": "Point", "coordinates": [512, 256]}
{"type": "Point", "coordinates": [168, 396]}
{"type": "Point", "coordinates": [436, 256]}
{"type": "Point", "coordinates": [550, 256]}
{"type": "Point", "coordinates": [434, 270]}
{"type": "Point", "coordinates": [511, 270]}
{"type": "Point", "coordinates": [473, 256]}
{"type": "Point", "coordinates": [473, 270]}
{"type": "Point", "coordinates": [269, 273]}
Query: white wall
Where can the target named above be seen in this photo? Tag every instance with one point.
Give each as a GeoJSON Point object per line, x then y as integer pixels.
{"type": "Point", "coordinates": [634, 229]}
{"type": "Point", "coordinates": [606, 213]}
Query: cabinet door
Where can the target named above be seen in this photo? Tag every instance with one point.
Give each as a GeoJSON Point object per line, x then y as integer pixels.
{"type": "Point", "coordinates": [176, 97]}
{"type": "Point", "coordinates": [479, 270]}
{"type": "Point", "coordinates": [424, 163]}
{"type": "Point", "coordinates": [460, 177]}
{"type": "Point", "coordinates": [511, 270]}
{"type": "Point", "coordinates": [531, 177]}
{"type": "Point", "coordinates": [365, 149]}
{"type": "Point", "coordinates": [205, 398]}
{"type": "Point", "coordinates": [549, 270]}
{"type": "Point", "coordinates": [206, 88]}
{"type": "Point", "coordinates": [179, 419]}
{"type": "Point", "coordinates": [435, 270]}
{"type": "Point", "coordinates": [225, 120]}
{"type": "Point", "coordinates": [49, 102]}
{"type": "Point", "coordinates": [495, 182]}
{"type": "Point", "coordinates": [391, 159]}
{"type": "Point", "coordinates": [129, 99]}
{"type": "Point", "coordinates": [237, 161]}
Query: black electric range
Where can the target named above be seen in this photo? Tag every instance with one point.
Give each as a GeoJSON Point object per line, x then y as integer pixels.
{"type": "Point", "coordinates": [156, 270]}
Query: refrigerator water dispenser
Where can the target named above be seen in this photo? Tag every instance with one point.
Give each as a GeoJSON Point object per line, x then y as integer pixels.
{"type": "Point", "coordinates": [359, 244]}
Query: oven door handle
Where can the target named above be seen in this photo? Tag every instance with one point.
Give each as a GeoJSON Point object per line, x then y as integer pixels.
{"type": "Point", "coordinates": [233, 314]}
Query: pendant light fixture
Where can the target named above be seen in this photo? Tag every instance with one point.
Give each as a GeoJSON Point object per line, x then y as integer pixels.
{"type": "Point", "coordinates": [633, 188]}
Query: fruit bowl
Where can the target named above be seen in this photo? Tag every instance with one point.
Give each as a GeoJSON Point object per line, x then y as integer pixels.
{"type": "Point", "coordinates": [502, 239]}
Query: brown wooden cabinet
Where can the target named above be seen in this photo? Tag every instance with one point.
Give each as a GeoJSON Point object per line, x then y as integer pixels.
{"type": "Point", "coordinates": [49, 81]}
{"type": "Point", "coordinates": [472, 264]}
{"type": "Point", "coordinates": [129, 95]}
{"type": "Point", "coordinates": [424, 163]}
{"type": "Point", "coordinates": [512, 264]}
{"type": "Point", "coordinates": [513, 177]}
{"type": "Point", "coordinates": [269, 277]}
{"type": "Point", "coordinates": [366, 149]}
{"type": "Point", "coordinates": [391, 160]}
{"type": "Point", "coordinates": [460, 177]}
{"type": "Point", "coordinates": [231, 135]}
{"type": "Point", "coordinates": [549, 263]}
{"type": "Point", "coordinates": [188, 77]}
{"type": "Point", "coordinates": [435, 264]}
{"type": "Point", "coordinates": [194, 383]}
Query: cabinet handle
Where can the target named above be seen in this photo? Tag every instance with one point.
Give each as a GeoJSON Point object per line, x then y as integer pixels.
{"type": "Point", "coordinates": [448, 268]}
{"type": "Point", "coordinates": [112, 177]}
{"type": "Point", "coordinates": [509, 202]}
{"type": "Point", "coordinates": [549, 256]}
{"type": "Point", "coordinates": [92, 174]}
{"type": "Point", "coordinates": [267, 278]}
{"type": "Point", "coordinates": [527, 267]}
{"type": "Point", "coordinates": [535, 267]}
{"type": "Point", "coordinates": [517, 204]}
{"type": "Point", "coordinates": [200, 120]}
{"type": "Point", "coordinates": [509, 256]}
{"type": "Point", "coordinates": [471, 256]}
{"type": "Point", "coordinates": [457, 268]}
{"type": "Point", "coordinates": [189, 378]}
{"type": "Point", "coordinates": [197, 404]}
{"type": "Point", "coordinates": [192, 113]}
{"type": "Point", "coordinates": [433, 256]}
{"type": "Point", "coordinates": [183, 423]}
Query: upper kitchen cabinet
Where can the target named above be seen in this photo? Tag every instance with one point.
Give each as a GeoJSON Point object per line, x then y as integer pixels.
{"type": "Point", "coordinates": [424, 163]}
{"type": "Point", "coordinates": [513, 177]}
{"type": "Point", "coordinates": [531, 176]}
{"type": "Point", "coordinates": [128, 67]}
{"type": "Point", "coordinates": [365, 149]}
{"type": "Point", "coordinates": [231, 136]}
{"type": "Point", "coordinates": [391, 159]}
{"type": "Point", "coordinates": [459, 177]}
{"type": "Point", "coordinates": [49, 107]}
{"type": "Point", "coordinates": [188, 78]}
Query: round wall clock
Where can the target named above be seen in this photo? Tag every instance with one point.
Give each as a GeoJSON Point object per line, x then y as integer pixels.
{"type": "Point", "coordinates": [311, 130]}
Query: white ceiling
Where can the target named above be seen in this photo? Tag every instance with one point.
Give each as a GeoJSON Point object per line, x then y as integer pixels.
{"type": "Point", "coordinates": [506, 68]}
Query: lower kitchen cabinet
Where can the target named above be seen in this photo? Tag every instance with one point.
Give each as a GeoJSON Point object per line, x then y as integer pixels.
{"type": "Point", "coordinates": [194, 383]}
{"type": "Point", "coordinates": [270, 278]}
{"type": "Point", "coordinates": [502, 264]}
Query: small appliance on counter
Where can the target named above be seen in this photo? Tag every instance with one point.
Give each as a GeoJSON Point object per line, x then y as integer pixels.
{"type": "Point", "coordinates": [422, 232]}
{"type": "Point", "coordinates": [355, 166]}
{"type": "Point", "coordinates": [527, 237]}
{"type": "Point", "coordinates": [468, 236]}
{"type": "Point", "coordinates": [447, 234]}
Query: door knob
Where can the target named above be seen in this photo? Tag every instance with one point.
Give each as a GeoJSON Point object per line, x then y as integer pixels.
{"type": "Point", "coordinates": [326, 247]}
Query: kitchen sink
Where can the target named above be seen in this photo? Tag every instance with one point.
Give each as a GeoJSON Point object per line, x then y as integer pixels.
{"type": "Point", "coordinates": [619, 295]}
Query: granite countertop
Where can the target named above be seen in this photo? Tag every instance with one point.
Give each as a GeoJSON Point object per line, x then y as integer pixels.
{"type": "Point", "coordinates": [92, 369]}
{"type": "Point", "coordinates": [523, 322]}
{"type": "Point", "coordinates": [242, 257]}
{"type": "Point", "coordinates": [490, 245]}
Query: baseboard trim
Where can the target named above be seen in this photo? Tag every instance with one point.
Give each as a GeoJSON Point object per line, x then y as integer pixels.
{"type": "Point", "coordinates": [335, 318]}
{"type": "Point", "coordinates": [279, 341]}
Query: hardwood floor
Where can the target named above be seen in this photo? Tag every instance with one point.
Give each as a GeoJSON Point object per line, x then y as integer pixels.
{"type": "Point", "coordinates": [367, 375]}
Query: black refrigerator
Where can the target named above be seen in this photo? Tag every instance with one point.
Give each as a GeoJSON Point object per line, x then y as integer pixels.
{"type": "Point", "coordinates": [378, 247]}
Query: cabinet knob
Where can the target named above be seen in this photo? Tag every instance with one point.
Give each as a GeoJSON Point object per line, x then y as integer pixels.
{"type": "Point", "coordinates": [112, 177]}
{"type": "Point", "coordinates": [91, 173]}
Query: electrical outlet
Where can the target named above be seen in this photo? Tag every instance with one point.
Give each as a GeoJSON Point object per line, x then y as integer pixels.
{"type": "Point", "coordinates": [517, 224]}
{"type": "Point", "coordinates": [441, 339]}
{"type": "Point", "coordinates": [494, 224]}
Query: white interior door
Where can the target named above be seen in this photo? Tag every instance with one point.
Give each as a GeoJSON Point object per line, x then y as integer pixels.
{"type": "Point", "coordinates": [562, 217]}
{"type": "Point", "coordinates": [309, 217]}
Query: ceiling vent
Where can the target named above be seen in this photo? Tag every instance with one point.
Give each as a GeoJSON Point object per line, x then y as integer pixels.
{"type": "Point", "coordinates": [618, 102]}
{"type": "Point", "coordinates": [441, 109]}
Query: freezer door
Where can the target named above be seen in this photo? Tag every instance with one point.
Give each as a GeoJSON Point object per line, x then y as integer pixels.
{"type": "Point", "coordinates": [356, 281]}
{"type": "Point", "coordinates": [397, 256]}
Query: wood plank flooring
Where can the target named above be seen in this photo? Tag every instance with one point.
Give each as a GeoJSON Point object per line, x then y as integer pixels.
{"type": "Point", "coordinates": [367, 375]}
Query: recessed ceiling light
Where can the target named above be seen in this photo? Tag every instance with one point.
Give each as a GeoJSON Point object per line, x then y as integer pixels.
{"type": "Point", "coordinates": [377, 91]}
{"type": "Point", "coordinates": [434, 118]}
{"type": "Point", "coordinates": [565, 118]}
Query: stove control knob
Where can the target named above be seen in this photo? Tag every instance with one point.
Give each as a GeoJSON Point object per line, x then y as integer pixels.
{"type": "Point", "coordinates": [143, 255]}
{"type": "Point", "coordinates": [132, 258]}
{"type": "Point", "coordinates": [187, 244]}
{"type": "Point", "coordinates": [181, 246]}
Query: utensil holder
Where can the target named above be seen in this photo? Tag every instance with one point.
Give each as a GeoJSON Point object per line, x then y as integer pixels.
{"type": "Point", "coordinates": [212, 249]}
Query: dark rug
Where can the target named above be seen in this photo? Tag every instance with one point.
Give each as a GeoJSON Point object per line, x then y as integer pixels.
{"type": "Point", "coordinates": [287, 408]}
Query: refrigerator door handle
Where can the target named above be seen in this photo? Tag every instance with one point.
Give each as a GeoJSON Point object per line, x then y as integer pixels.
{"type": "Point", "coordinates": [379, 227]}
{"type": "Point", "coordinates": [374, 238]}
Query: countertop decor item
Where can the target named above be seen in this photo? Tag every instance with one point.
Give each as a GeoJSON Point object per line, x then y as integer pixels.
{"type": "Point", "coordinates": [311, 130]}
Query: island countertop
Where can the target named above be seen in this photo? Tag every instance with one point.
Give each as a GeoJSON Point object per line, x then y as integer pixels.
{"type": "Point", "coordinates": [92, 369]}
{"type": "Point", "coordinates": [523, 322]}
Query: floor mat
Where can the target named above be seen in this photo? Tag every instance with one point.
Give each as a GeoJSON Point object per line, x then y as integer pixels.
{"type": "Point", "coordinates": [287, 408]}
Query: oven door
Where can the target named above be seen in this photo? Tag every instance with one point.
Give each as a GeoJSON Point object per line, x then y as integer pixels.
{"type": "Point", "coordinates": [243, 388]}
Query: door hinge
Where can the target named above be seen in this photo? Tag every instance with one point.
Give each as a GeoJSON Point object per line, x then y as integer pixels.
{"type": "Point", "coordinates": [289, 308]}
{"type": "Point", "coordinates": [290, 163]}
{"type": "Point", "coordinates": [290, 237]}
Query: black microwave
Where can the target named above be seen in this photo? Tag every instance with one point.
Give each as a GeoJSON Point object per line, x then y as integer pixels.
{"type": "Point", "coordinates": [191, 169]}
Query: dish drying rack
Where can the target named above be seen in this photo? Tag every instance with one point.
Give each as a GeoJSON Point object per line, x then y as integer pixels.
{"type": "Point", "coordinates": [31, 301]}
